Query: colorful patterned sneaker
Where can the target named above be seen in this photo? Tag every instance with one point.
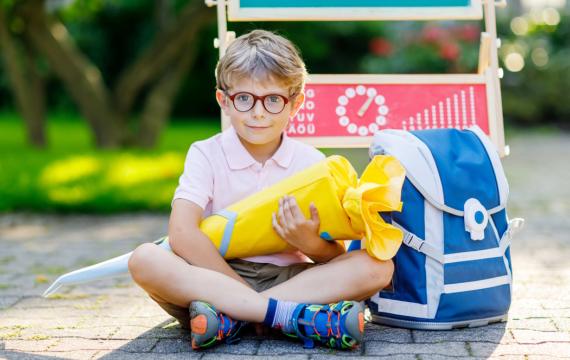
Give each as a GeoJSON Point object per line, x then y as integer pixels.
{"type": "Point", "coordinates": [339, 325]}
{"type": "Point", "coordinates": [209, 327]}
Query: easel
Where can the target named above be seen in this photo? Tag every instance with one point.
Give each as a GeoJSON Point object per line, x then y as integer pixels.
{"type": "Point", "coordinates": [436, 114]}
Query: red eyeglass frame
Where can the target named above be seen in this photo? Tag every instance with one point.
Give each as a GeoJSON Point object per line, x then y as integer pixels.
{"type": "Point", "coordinates": [255, 99]}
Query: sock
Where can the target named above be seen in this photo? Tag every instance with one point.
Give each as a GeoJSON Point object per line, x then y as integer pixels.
{"type": "Point", "coordinates": [279, 315]}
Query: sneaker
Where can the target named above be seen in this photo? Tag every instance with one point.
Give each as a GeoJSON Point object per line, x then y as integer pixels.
{"type": "Point", "coordinates": [209, 327]}
{"type": "Point", "coordinates": [339, 325]}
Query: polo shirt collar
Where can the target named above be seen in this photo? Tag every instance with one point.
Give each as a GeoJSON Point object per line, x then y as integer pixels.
{"type": "Point", "coordinates": [239, 158]}
{"type": "Point", "coordinates": [284, 155]}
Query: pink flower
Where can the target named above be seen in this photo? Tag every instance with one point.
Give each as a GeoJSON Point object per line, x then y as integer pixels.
{"type": "Point", "coordinates": [449, 51]}
{"type": "Point", "coordinates": [380, 46]}
{"type": "Point", "coordinates": [469, 33]}
{"type": "Point", "coordinates": [433, 34]}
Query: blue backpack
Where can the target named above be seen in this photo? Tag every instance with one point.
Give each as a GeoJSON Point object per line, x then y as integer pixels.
{"type": "Point", "coordinates": [454, 269]}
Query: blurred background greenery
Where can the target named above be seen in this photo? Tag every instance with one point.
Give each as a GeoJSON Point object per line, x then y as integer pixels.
{"type": "Point", "coordinates": [100, 99]}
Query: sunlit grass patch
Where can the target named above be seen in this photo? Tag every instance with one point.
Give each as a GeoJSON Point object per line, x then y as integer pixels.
{"type": "Point", "coordinates": [68, 170]}
{"type": "Point", "coordinates": [138, 179]}
{"type": "Point", "coordinates": [128, 170]}
{"type": "Point", "coordinates": [71, 195]}
{"type": "Point", "coordinates": [72, 176]}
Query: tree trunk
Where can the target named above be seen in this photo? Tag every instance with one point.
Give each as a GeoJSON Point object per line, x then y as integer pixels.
{"type": "Point", "coordinates": [81, 78]}
{"type": "Point", "coordinates": [165, 49]}
{"type": "Point", "coordinates": [157, 72]}
{"type": "Point", "coordinates": [26, 83]}
{"type": "Point", "coordinates": [37, 122]}
{"type": "Point", "coordinates": [164, 14]}
{"type": "Point", "coordinates": [158, 105]}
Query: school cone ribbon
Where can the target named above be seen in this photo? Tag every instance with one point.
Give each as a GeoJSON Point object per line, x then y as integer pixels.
{"type": "Point", "coordinates": [349, 209]}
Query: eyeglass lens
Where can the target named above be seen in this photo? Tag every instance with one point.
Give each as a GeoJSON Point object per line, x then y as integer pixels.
{"type": "Point", "coordinates": [272, 103]}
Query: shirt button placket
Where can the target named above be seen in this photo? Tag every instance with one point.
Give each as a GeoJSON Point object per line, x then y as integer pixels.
{"type": "Point", "coordinates": [258, 174]}
{"type": "Point", "coordinates": [262, 184]}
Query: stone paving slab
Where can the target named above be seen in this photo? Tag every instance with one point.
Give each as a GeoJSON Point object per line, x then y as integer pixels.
{"type": "Point", "coordinates": [283, 347]}
{"type": "Point", "coordinates": [47, 355]}
{"type": "Point", "coordinates": [8, 301]}
{"type": "Point", "coordinates": [386, 334]}
{"type": "Point", "coordinates": [442, 348]}
{"type": "Point", "coordinates": [542, 349]}
{"type": "Point", "coordinates": [114, 319]}
{"type": "Point", "coordinates": [495, 334]}
{"type": "Point", "coordinates": [538, 337]}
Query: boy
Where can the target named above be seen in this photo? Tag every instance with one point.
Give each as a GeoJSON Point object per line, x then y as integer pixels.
{"type": "Point", "coordinates": [260, 84]}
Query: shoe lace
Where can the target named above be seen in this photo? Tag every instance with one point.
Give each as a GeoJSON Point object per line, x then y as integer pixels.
{"type": "Point", "coordinates": [222, 321]}
{"type": "Point", "coordinates": [331, 312]}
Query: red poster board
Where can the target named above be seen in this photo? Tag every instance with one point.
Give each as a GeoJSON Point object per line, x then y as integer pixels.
{"type": "Point", "coordinates": [347, 112]}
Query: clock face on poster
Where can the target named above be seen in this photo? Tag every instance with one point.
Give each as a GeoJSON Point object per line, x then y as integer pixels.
{"type": "Point", "coordinates": [341, 111]}
{"type": "Point", "coordinates": [361, 110]}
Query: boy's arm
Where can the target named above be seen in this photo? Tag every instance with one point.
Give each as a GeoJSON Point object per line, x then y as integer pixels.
{"type": "Point", "coordinates": [189, 242]}
{"type": "Point", "coordinates": [322, 251]}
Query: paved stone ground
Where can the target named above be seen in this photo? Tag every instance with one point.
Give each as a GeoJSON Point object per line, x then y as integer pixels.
{"type": "Point", "coordinates": [114, 319]}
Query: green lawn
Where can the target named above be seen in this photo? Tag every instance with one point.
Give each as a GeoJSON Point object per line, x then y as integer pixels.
{"type": "Point", "coordinates": [72, 176]}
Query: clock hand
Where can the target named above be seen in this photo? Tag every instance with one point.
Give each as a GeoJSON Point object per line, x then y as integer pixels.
{"type": "Point", "coordinates": [365, 106]}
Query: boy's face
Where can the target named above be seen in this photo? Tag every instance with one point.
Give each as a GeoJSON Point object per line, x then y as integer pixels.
{"type": "Point", "coordinates": [258, 126]}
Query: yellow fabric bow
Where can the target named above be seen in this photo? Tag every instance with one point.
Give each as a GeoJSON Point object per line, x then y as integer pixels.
{"type": "Point", "coordinates": [379, 190]}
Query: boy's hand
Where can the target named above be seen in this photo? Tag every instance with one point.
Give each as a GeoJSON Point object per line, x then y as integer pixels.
{"type": "Point", "coordinates": [294, 228]}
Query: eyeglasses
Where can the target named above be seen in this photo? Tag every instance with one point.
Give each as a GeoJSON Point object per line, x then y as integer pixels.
{"type": "Point", "coordinates": [244, 101]}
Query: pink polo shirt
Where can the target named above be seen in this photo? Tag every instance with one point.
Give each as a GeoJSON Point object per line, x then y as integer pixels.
{"type": "Point", "coordinates": [219, 171]}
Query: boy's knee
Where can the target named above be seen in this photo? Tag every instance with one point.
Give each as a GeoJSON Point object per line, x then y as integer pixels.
{"type": "Point", "coordinates": [379, 273]}
{"type": "Point", "coordinates": [140, 262]}
{"type": "Point", "coordinates": [388, 272]}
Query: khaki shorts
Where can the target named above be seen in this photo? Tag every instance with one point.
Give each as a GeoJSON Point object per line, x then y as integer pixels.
{"type": "Point", "coordinates": [259, 276]}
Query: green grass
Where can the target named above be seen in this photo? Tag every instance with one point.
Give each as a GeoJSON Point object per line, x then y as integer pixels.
{"type": "Point", "coordinates": [73, 176]}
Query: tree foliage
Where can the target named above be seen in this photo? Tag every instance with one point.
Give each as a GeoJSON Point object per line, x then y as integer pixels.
{"type": "Point", "coordinates": [129, 102]}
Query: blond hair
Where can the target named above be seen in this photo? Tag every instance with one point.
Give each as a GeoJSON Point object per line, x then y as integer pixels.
{"type": "Point", "coordinates": [262, 55]}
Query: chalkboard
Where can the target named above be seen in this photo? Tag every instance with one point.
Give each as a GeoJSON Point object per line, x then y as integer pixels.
{"type": "Point", "coordinates": [352, 3]}
{"type": "Point", "coordinates": [243, 10]}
